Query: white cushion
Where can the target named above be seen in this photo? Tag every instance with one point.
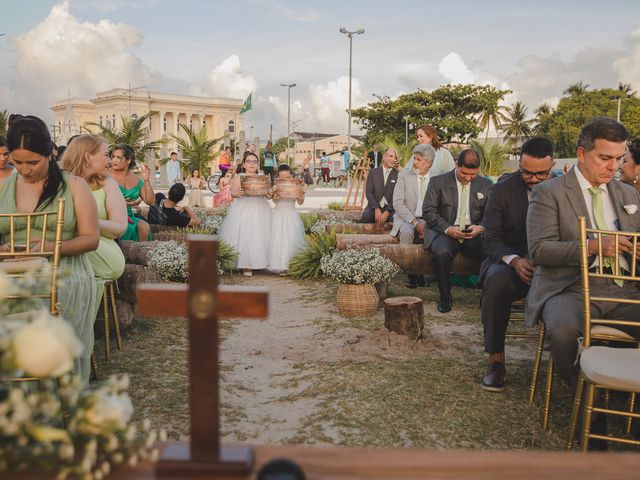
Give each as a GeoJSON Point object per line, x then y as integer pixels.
{"type": "Point", "coordinates": [604, 330]}
{"type": "Point", "coordinates": [617, 368]}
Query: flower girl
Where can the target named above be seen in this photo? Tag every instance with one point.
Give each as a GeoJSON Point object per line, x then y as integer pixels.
{"type": "Point", "coordinates": [287, 229]}
{"type": "Point", "coordinates": [248, 223]}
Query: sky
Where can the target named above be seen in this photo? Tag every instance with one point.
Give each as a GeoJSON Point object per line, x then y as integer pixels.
{"type": "Point", "coordinates": [233, 48]}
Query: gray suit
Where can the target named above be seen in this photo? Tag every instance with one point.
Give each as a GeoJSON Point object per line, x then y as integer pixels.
{"type": "Point", "coordinates": [555, 293]}
{"type": "Point", "coordinates": [406, 198]}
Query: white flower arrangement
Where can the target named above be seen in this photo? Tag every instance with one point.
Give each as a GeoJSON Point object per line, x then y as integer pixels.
{"type": "Point", "coordinates": [60, 428]}
{"type": "Point", "coordinates": [358, 267]}
{"type": "Point", "coordinates": [328, 219]}
{"type": "Point", "coordinates": [171, 260]}
{"type": "Point", "coordinates": [631, 209]}
{"type": "Point", "coordinates": [479, 195]}
{"type": "Point", "coordinates": [213, 223]}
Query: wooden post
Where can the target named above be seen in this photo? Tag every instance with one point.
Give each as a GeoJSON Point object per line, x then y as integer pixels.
{"type": "Point", "coordinates": [202, 302]}
{"type": "Point", "coordinates": [359, 179]}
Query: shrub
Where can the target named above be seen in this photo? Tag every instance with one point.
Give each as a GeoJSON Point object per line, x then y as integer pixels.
{"type": "Point", "coordinates": [306, 264]}
{"type": "Point", "coordinates": [335, 206]}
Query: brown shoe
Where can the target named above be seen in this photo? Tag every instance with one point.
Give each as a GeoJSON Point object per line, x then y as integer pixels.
{"type": "Point", "coordinates": [493, 380]}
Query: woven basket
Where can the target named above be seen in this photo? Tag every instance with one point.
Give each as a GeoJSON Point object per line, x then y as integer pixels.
{"type": "Point", "coordinates": [357, 300]}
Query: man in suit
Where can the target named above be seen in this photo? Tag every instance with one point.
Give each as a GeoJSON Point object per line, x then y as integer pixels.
{"type": "Point", "coordinates": [588, 190]}
{"type": "Point", "coordinates": [381, 182]}
{"type": "Point", "coordinates": [374, 156]}
{"type": "Point", "coordinates": [453, 209]}
{"type": "Point", "coordinates": [506, 272]}
{"type": "Point", "coordinates": [408, 198]}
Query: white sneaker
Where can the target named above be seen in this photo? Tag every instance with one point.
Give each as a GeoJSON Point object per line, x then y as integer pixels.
{"type": "Point", "coordinates": [247, 272]}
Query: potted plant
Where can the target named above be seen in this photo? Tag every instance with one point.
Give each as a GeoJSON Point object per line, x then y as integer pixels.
{"type": "Point", "coordinates": [357, 271]}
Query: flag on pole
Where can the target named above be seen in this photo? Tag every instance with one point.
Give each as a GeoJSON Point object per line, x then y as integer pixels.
{"type": "Point", "coordinates": [246, 106]}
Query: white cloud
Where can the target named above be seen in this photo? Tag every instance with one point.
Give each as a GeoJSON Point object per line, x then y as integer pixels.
{"type": "Point", "coordinates": [105, 6]}
{"type": "Point", "coordinates": [295, 13]}
{"type": "Point", "coordinates": [453, 68]}
{"type": "Point", "coordinates": [227, 80]}
{"type": "Point", "coordinates": [628, 67]}
{"type": "Point", "coordinates": [329, 103]}
{"type": "Point", "coordinates": [63, 53]}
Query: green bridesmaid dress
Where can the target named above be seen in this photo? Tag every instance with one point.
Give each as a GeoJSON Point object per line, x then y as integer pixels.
{"type": "Point", "coordinates": [79, 293]}
{"type": "Point", "coordinates": [131, 194]}
{"type": "Point", "coordinates": [108, 259]}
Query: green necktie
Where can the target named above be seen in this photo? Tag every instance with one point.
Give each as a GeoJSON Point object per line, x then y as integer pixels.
{"type": "Point", "coordinates": [385, 173]}
{"type": "Point", "coordinates": [601, 224]}
{"type": "Point", "coordinates": [464, 205]}
{"type": "Point", "coordinates": [423, 187]}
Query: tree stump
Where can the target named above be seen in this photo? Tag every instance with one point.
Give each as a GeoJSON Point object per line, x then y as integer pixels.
{"type": "Point", "coordinates": [404, 315]}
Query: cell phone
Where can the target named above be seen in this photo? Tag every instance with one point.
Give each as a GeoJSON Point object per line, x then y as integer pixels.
{"type": "Point", "coordinates": [466, 230]}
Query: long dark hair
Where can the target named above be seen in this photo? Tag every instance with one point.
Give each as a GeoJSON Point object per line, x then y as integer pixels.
{"type": "Point", "coordinates": [31, 133]}
{"type": "Point", "coordinates": [127, 153]}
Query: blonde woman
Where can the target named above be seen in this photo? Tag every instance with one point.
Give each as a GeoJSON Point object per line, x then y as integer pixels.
{"type": "Point", "coordinates": [88, 157]}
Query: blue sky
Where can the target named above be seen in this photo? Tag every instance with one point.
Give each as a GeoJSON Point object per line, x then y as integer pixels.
{"type": "Point", "coordinates": [230, 48]}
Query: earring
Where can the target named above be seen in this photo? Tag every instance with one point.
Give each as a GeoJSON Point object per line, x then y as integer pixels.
{"type": "Point", "coordinates": [635, 179]}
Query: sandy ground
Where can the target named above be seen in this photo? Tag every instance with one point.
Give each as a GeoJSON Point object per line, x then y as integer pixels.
{"type": "Point", "coordinates": [265, 377]}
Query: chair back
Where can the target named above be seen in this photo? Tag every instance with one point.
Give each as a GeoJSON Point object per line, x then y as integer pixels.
{"type": "Point", "coordinates": [615, 272]}
{"type": "Point", "coordinates": [22, 260]}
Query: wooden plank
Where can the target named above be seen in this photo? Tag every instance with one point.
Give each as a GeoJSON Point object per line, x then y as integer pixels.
{"type": "Point", "coordinates": [333, 463]}
{"type": "Point", "coordinates": [170, 300]}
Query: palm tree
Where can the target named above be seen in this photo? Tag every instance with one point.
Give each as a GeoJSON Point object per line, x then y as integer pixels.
{"type": "Point", "coordinates": [403, 151]}
{"type": "Point", "coordinates": [516, 127]}
{"type": "Point", "coordinates": [576, 89]}
{"type": "Point", "coordinates": [626, 90]}
{"type": "Point", "coordinates": [4, 120]}
{"type": "Point", "coordinates": [492, 114]}
{"type": "Point", "coordinates": [133, 132]}
{"type": "Point", "coordinates": [542, 110]}
{"type": "Point", "coordinates": [197, 150]}
{"type": "Point", "coordinates": [491, 158]}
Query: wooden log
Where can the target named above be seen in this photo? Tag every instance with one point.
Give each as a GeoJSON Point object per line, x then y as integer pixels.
{"type": "Point", "coordinates": [361, 228]}
{"type": "Point", "coordinates": [346, 241]}
{"type": "Point", "coordinates": [136, 252]}
{"type": "Point", "coordinates": [133, 276]}
{"type": "Point", "coordinates": [405, 316]}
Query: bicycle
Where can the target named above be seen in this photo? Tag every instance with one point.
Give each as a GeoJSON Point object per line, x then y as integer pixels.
{"type": "Point", "coordinates": [340, 180]}
{"type": "Point", "coordinates": [213, 182]}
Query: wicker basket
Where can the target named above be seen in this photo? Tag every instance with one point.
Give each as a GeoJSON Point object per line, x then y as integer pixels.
{"type": "Point", "coordinates": [357, 300]}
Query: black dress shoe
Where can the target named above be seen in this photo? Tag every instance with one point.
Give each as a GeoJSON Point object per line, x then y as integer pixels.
{"type": "Point", "coordinates": [414, 281]}
{"type": "Point", "coordinates": [493, 380]}
{"type": "Point", "coordinates": [445, 305]}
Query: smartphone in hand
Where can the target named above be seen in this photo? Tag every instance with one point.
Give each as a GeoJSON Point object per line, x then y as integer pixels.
{"type": "Point", "coordinates": [466, 230]}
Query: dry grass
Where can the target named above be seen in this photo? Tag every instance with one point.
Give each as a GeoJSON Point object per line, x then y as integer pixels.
{"type": "Point", "coordinates": [431, 400]}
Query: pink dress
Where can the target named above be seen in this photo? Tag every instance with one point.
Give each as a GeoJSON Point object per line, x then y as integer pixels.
{"type": "Point", "coordinates": [223, 197]}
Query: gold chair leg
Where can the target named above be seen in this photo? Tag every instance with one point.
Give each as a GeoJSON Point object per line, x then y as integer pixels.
{"type": "Point", "coordinates": [94, 365]}
{"type": "Point", "coordinates": [632, 404]}
{"type": "Point", "coordinates": [116, 321]}
{"type": "Point", "coordinates": [606, 398]}
{"type": "Point", "coordinates": [586, 417]}
{"type": "Point", "coordinates": [573, 421]}
{"type": "Point", "coordinates": [536, 363]}
{"type": "Point", "coordinates": [107, 334]}
{"type": "Point", "coordinates": [547, 393]}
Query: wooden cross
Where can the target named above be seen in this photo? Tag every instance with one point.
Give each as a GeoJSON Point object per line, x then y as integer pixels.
{"type": "Point", "coordinates": [202, 302]}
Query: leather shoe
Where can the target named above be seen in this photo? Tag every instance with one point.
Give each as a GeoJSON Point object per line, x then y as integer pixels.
{"type": "Point", "coordinates": [493, 380]}
{"type": "Point", "coordinates": [445, 305]}
{"type": "Point", "coordinates": [415, 281]}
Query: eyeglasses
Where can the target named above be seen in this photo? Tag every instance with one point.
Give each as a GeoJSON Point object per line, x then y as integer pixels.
{"type": "Point", "coordinates": [539, 175]}
{"type": "Point", "coordinates": [251, 161]}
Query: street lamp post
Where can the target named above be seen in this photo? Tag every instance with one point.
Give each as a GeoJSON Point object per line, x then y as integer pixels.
{"type": "Point", "coordinates": [131, 90]}
{"type": "Point", "coordinates": [289, 87]}
{"type": "Point", "coordinates": [406, 130]}
{"type": "Point", "coordinates": [350, 35]}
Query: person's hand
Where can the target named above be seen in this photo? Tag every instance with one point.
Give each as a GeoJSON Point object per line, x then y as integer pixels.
{"type": "Point", "coordinates": [455, 232]}
{"type": "Point", "coordinates": [524, 269]}
{"type": "Point", "coordinates": [133, 203]}
{"type": "Point", "coordinates": [145, 173]}
{"type": "Point", "coordinates": [420, 228]}
{"type": "Point", "coordinates": [377, 215]}
{"type": "Point", "coordinates": [47, 247]}
{"type": "Point", "coordinates": [475, 231]}
{"type": "Point", "coordinates": [609, 246]}
{"type": "Point", "coordinates": [385, 215]}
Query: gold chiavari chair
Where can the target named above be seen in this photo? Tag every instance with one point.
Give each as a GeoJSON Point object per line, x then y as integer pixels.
{"type": "Point", "coordinates": [603, 367]}
{"type": "Point", "coordinates": [25, 261]}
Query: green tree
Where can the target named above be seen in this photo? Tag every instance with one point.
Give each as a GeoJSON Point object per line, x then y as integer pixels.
{"type": "Point", "coordinates": [403, 151]}
{"type": "Point", "coordinates": [4, 121]}
{"type": "Point", "coordinates": [280, 145]}
{"type": "Point", "coordinates": [563, 124]}
{"type": "Point", "coordinates": [451, 109]}
{"type": "Point", "coordinates": [492, 113]}
{"type": "Point", "coordinates": [491, 157]}
{"type": "Point", "coordinates": [577, 89]}
{"type": "Point", "coordinates": [134, 132]}
{"type": "Point", "coordinates": [197, 150]}
{"type": "Point", "coordinates": [516, 127]}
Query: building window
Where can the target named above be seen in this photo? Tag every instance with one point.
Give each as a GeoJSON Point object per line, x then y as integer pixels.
{"type": "Point", "coordinates": [191, 123]}
{"type": "Point", "coordinates": [134, 116]}
{"type": "Point", "coordinates": [164, 123]}
{"type": "Point", "coordinates": [232, 126]}
{"type": "Point", "coordinates": [100, 120]}
{"type": "Point", "coordinates": [113, 120]}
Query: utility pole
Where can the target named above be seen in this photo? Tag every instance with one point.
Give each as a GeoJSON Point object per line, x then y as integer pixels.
{"type": "Point", "coordinates": [131, 90]}
{"type": "Point", "coordinates": [350, 35]}
{"type": "Point", "coordinates": [289, 87]}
